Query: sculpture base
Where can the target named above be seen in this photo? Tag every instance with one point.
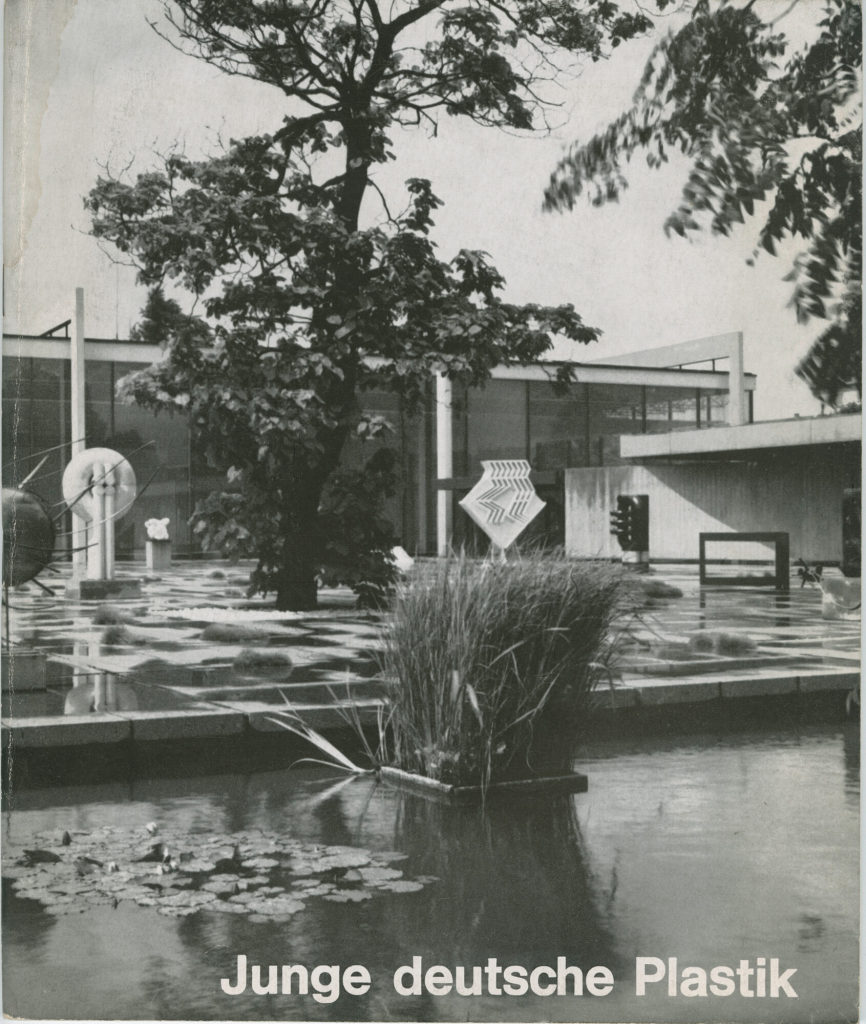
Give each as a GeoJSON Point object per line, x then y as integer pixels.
{"type": "Point", "coordinates": [157, 555]}
{"type": "Point", "coordinates": [101, 590]}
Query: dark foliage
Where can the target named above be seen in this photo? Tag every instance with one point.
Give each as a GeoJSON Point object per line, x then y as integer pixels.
{"type": "Point", "coordinates": [303, 304]}
{"type": "Point", "coordinates": [758, 122]}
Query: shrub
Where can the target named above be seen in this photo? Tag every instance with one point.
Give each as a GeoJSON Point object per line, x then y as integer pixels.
{"type": "Point", "coordinates": [731, 644]}
{"type": "Point", "coordinates": [480, 655]}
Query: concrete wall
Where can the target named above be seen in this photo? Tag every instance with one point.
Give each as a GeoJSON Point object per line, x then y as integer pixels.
{"type": "Point", "coordinates": [799, 492]}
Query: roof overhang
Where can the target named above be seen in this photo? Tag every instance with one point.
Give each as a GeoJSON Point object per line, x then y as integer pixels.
{"type": "Point", "coordinates": [750, 439]}
{"type": "Point", "coordinates": [597, 373]}
{"type": "Point", "coordinates": [22, 346]}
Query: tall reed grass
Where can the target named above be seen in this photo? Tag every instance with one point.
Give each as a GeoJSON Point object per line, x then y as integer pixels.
{"type": "Point", "coordinates": [482, 658]}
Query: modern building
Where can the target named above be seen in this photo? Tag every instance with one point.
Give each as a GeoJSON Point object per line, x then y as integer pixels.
{"type": "Point", "coordinates": [676, 423]}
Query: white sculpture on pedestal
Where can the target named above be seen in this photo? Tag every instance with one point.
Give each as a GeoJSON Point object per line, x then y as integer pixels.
{"type": "Point", "coordinates": [99, 487]}
{"type": "Point", "coordinates": [157, 529]}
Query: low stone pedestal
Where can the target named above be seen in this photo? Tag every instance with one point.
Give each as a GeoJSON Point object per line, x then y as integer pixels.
{"type": "Point", "coordinates": [157, 554]}
{"type": "Point", "coordinates": [101, 590]}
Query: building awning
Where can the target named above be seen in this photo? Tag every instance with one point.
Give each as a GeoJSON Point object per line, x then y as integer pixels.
{"type": "Point", "coordinates": [742, 441]}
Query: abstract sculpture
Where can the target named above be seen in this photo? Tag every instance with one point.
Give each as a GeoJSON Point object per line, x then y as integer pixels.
{"type": "Point", "coordinates": [157, 529]}
{"type": "Point", "coordinates": [99, 488]}
{"type": "Point", "coordinates": [503, 502]}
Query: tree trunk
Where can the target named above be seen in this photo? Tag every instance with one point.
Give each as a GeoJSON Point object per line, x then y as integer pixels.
{"type": "Point", "coordinates": [297, 587]}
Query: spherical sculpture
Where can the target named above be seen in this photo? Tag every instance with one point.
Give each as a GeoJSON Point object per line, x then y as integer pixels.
{"type": "Point", "coordinates": [89, 469]}
{"type": "Point", "coordinates": [28, 536]}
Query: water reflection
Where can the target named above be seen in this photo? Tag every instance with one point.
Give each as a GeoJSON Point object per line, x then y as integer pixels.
{"type": "Point", "coordinates": [520, 887]}
{"type": "Point", "coordinates": [709, 848]}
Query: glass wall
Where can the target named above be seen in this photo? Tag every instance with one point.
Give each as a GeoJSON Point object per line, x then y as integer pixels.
{"type": "Point", "coordinates": [35, 425]}
{"type": "Point", "coordinates": [411, 509]}
{"type": "Point", "coordinates": [518, 419]}
{"type": "Point", "coordinates": [171, 473]}
{"type": "Point", "coordinates": [507, 419]}
{"type": "Point", "coordinates": [37, 421]}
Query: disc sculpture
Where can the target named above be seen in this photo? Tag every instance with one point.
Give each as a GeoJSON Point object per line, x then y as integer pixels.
{"type": "Point", "coordinates": [99, 488]}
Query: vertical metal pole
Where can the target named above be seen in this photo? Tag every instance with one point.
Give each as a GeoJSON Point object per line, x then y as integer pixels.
{"type": "Point", "coordinates": [444, 461]}
{"type": "Point", "coordinates": [77, 425]}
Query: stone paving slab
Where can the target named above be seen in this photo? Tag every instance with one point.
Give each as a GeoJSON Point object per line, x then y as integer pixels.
{"type": "Point", "coordinates": [189, 723]}
{"type": "Point", "coordinates": [180, 684]}
{"type": "Point", "coordinates": [69, 731]}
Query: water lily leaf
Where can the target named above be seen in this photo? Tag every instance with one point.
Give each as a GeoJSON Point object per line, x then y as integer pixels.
{"type": "Point", "coordinates": [261, 862]}
{"type": "Point", "coordinates": [379, 874]}
{"type": "Point", "coordinates": [302, 868]}
{"type": "Point", "coordinates": [199, 864]}
{"type": "Point", "coordinates": [61, 886]}
{"type": "Point", "coordinates": [219, 887]}
{"type": "Point", "coordinates": [61, 909]}
{"type": "Point", "coordinates": [278, 906]}
{"type": "Point", "coordinates": [318, 890]}
{"type": "Point", "coordinates": [242, 897]}
{"type": "Point", "coordinates": [177, 911]}
{"type": "Point", "coordinates": [343, 859]}
{"type": "Point", "coordinates": [403, 885]}
{"type": "Point", "coordinates": [350, 896]}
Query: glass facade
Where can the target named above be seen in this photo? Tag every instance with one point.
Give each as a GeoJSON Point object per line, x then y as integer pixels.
{"type": "Point", "coordinates": [171, 474]}
{"type": "Point", "coordinates": [36, 421]}
{"type": "Point", "coordinates": [520, 419]}
{"type": "Point", "coordinates": [506, 419]}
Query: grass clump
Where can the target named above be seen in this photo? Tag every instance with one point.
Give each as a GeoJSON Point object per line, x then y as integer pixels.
{"type": "Point", "coordinates": [731, 644]}
{"type": "Point", "coordinates": [482, 658]}
{"type": "Point", "coordinates": [118, 635]}
{"type": "Point", "coordinates": [257, 659]}
{"type": "Point", "coordinates": [109, 615]}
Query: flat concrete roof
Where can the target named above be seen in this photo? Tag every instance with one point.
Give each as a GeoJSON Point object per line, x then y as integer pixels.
{"type": "Point", "coordinates": [752, 437]}
{"type": "Point", "coordinates": [23, 346]}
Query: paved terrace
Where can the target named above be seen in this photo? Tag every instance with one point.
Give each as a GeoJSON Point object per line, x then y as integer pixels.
{"type": "Point", "coordinates": [169, 670]}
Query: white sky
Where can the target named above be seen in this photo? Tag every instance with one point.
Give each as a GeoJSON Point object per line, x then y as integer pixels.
{"type": "Point", "coordinates": [88, 82]}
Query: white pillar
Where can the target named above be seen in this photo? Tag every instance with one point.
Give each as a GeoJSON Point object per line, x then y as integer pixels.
{"type": "Point", "coordinates": [76, 381]}
{"type": "Point", "coordinates": [444, 463]}
{"type": "Point", "coordinates": [738, 409]}
{"type": "Point", "coordinates": [108, 532]}
{"type": "Point", "coordinates": [96, 527]}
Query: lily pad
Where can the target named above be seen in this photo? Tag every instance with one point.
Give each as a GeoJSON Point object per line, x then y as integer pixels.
{"type": "Point", "coordinates": [378, 874]}
{"type": "Point", "coordinates": [349, 895]}
{"type": "Point", "coordinates": [403, 885]}
{"type": "Point", "coordinates": [268, 875]}
{"type": "Point", "coordinates": [261, 862]}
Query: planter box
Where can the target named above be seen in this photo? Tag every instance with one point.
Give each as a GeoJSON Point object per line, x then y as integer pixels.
{"type": "Point", "coordinates": [573, 782]}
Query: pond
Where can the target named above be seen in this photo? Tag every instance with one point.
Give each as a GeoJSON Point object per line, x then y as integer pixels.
{"type": "Point", "coordinates": [709, 849]}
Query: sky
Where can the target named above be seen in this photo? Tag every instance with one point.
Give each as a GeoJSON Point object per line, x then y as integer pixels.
{"type": "Point", "coordinates": [89, 84]}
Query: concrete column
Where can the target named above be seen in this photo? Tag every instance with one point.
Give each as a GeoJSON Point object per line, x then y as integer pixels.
{"type": "Point", "coordinates": [444, 462]}
{"type": "Point", "coordinates": [738, 408]}
{"type": "Point", "coordinates": [78, 444]}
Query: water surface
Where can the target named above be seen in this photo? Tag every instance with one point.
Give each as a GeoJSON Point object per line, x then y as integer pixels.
{"type": "Point", "coordinates": [710, 849]}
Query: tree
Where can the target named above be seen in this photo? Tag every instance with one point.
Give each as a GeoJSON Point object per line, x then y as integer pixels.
{"type": "Point", "coordinates": [306, 300]}
{"type": "Point", "coordinates": [756, 122]}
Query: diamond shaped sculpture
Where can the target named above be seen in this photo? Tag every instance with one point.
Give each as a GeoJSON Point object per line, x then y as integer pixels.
{"type": "Point", "coordinates": [503, 502]}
